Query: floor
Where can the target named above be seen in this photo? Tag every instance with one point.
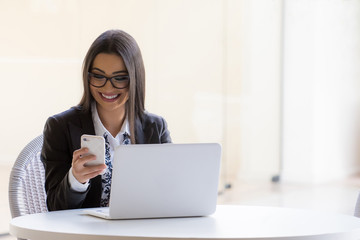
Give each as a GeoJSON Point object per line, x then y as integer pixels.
{"type": "Point", "coordinates": [339, 197]}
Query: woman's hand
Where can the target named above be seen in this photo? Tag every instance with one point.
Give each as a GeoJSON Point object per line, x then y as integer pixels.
{"type": "Point", "coordinates": [81, 172]}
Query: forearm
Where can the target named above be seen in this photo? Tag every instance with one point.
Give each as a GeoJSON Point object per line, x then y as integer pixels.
{"type": "Point", "coordinates": [63, 197]}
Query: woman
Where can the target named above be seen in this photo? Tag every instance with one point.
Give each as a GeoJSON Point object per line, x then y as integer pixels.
{"type": "Point", "coordinates": [112, 106]}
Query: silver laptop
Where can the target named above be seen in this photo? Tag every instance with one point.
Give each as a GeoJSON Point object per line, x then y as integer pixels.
{"type": "Point", "coordinates": [163, 180]}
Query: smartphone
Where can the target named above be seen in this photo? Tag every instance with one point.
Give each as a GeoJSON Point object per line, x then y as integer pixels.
{"type": "Point", "coordinates": [96, 146]}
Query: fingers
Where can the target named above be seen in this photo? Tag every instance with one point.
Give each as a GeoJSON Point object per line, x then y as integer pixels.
{"type": "Point", "coordinates": [81, 156]}
{"type": "Point", "coordinates": [81, 172]}
{"type": "Point", "coordinates": [80, 151]}
{"type": "Point", "coordinates": [95, 172]}
{"type": "Point", "coordinates": [84, 173]}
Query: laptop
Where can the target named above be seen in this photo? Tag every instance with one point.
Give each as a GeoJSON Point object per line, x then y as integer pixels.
{"type": "Point", "coordinates": [162, 181]}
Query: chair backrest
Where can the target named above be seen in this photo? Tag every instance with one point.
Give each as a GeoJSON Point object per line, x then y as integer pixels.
{"type": "Point", "coordinates": [27, 181]}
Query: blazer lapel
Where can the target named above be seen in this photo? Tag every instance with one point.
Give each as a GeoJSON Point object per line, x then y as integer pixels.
{"type": "Point", "coordinates": [139, 132]}
{"type": "Point", "coordinates": [82, 125]}
{"type": "Point", "coordinates": [146, 133]}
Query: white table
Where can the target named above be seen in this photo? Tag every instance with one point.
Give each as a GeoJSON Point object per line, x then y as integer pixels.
{"type": "Point", "coordinates": [229, 222]}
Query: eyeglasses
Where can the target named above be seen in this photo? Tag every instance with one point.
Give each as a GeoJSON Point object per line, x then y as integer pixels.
{"type": "Point", "coordinates": [98, 80]}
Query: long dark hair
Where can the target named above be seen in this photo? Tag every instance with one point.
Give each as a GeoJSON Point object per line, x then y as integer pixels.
{"type": "Point", "coordinates": [120, 43]}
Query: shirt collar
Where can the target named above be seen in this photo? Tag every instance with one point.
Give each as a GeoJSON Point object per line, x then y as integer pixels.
{"type": "Point", "coordinates": [100, 129]}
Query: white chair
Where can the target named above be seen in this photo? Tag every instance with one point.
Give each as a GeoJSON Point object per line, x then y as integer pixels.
{"type": "Point", "coordinates": [27, 181]}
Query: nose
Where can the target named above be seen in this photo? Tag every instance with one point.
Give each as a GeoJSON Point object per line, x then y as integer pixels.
{"type": "Point", "coordinates": [108, 85]}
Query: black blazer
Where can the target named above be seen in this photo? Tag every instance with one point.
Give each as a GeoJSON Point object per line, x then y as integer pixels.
{"type": "Point", "coordinates": [62, 134]}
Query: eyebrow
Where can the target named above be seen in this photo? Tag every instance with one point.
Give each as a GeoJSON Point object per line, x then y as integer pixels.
{"type": "Point", "coordinates": [122, 71]}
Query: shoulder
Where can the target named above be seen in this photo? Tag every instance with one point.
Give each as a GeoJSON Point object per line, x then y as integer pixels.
{"type": "Point", "coordinates": [68, 114]}
{"type": "Point", "coordinates": [151, 118]}
{"type": "Point", "coordinates": [71, 115]}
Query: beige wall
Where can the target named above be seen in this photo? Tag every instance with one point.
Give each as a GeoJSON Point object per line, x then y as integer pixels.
{"type": "Point", "coordinates": [322, 90]}
{"type": "Point", "coordinates": [212, 70]}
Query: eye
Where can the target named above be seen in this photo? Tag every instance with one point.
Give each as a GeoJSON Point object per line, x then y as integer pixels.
{"type": "Point", "coordinates": [98, 76]}
{"type": "Point", "coordinates": [121, 78]}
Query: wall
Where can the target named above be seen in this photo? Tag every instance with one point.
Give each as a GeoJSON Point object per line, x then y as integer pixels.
{"type": "Point", "coordinates": [258, 91]}
{"type": "Point", "coordinates": [212, 70]}
{"type": "Point", "coordinates": [321, 90]}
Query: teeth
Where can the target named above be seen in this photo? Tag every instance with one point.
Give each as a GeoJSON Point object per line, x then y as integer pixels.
{"type": "Point", "coordinates": [109, 97]}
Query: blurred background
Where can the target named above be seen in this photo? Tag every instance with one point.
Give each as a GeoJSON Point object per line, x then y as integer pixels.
{"type": "Point", "coordinates": [276, 82]}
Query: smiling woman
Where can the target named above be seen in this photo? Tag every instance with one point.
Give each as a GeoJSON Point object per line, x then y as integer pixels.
{"type": "Point", "coordinates": [112, 106]}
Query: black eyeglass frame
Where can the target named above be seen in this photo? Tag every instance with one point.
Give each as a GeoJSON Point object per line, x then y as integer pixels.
{"type": "Point", "coordinates": [108, 79]}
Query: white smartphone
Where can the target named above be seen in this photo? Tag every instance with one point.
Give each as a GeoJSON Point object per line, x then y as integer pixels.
{"type": "Point", "coordinates": [96, 146]}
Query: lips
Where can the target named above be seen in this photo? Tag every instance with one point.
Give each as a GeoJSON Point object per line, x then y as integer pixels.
{"type": "Point", "coordinates": [109, 97]}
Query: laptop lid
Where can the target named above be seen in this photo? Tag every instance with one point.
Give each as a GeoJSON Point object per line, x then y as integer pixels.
{"type": "Point", "coordinates": [164, 180]}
